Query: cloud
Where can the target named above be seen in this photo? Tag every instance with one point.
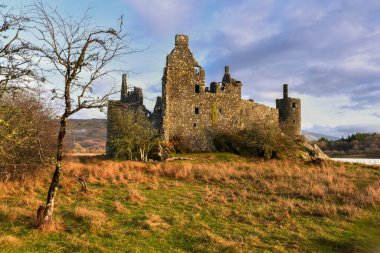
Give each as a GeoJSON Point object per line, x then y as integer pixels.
{"type": "Point", "coordinates": [326, 50]}
{"type": "Point", "coordinates": [321, 48]}
{"type": "Point", "coordinates": [344, 130]}
{"type": "Point", "coordinates": [376, 114]}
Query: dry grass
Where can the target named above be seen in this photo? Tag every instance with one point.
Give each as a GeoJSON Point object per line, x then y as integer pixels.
{"type": "Point", "coordinates": [133, 195]}
{"type": "Point", "coordinates": [271, 193]}
{"type": "Point", "coordinates": [10, 240]}
{"type": "Point", "coordinates": [371, 194]}
{"type": "Point", "coordinates": [94, 217]}
{"type": "Point", "coordinates": [120, 208]}
{"type": "Point", "coordinates": [334, 183]}
{"type": "Point", "coordinates": [154, 222]}
{"type": "Point", "coordinates": [56, 226]}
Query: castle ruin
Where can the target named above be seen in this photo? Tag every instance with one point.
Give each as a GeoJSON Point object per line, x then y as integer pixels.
{"type": "Point", "coordinates": [191, 111]}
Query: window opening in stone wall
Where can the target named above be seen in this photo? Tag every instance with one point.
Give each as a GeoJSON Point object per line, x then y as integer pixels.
{"type": "Point", "coordinates": [197, 70]}
{"type": "Point", "coordinates": [294, 121]}
{"type": "Point", "coordinates": [195, 124]}
{"type": "Point", "coordinates": [220, 111]}
{"type": "Point", "coordinates": [293, 105]}
{"type": "Point", "coordinates": [197, 88]}
{"type": "Point", "coordinates": [196, 110]}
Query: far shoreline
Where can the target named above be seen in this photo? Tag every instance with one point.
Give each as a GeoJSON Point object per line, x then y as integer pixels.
{"type": "Point", "coordinates": [367, 161]}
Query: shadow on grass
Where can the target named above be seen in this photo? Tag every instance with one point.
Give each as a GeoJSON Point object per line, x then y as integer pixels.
{"type": "Point", "coordinates": [327, 245]}
{"type": "Point", "coordinates": [24, 221]}
{"type": "Point", "coordinates": [75, 224]}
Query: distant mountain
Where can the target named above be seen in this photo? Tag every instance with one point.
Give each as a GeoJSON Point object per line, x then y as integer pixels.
{"type": "Point", "coordinates": [311, 136]}
{"type": "Point", "coordinates": [86, 135]}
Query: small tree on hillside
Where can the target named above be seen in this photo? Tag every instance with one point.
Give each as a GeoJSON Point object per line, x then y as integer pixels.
{"type": "Point", "coordinates": [133, 135]}
{"type": "Point", "coordinates": [81, 54]}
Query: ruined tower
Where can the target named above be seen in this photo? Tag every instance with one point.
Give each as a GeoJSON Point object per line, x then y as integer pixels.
{"type": "Point", "coordinates": [132, 100]}
{"type": "Point", "coordinates": [124, 88]}
{"type": "Point", "coordinates": [192, 112]}
{"type": "Point", "coordinates": [289, 113]}
{"type": "Point", "coordinates": [183, 80]}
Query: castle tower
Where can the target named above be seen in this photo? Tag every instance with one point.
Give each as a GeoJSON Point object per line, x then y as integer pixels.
{"type": "Point", "coordinates": [124, 88]}
{"type": "Point", "coordinates": [289, 113]}
{"type": "Point", "coordinates": [183, 84]}
{"type": "Point", "coordinates": [227, 76]}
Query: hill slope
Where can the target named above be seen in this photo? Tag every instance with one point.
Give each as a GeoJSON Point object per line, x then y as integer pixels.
{"type": "Point", "coordinates": [366, 145]}
{"type": "Point", "coordinates": [87, 135]}
{"type": "Point", "coordinates": [311, 136]}
{"type": "Point", "coordinates": [216, 203]}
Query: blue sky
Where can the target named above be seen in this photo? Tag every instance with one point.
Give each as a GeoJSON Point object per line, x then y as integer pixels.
{"type": "Point", "coordinates": [327, 51]}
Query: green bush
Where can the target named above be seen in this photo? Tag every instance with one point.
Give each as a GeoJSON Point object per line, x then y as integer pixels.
{"type": "Point", "coordinates": [27, 135]}
{"type": "Point", "coordinates": [132, 135]}
{"type": "Point", "coordinates": [260, 139]}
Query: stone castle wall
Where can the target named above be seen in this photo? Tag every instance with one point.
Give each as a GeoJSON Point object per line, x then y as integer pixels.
{"type": "Point", "coordinates": [192, 112]}
{"type": "Point", "coordinates": [289, 113]}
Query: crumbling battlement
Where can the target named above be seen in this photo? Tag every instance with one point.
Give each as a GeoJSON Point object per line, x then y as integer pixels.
{"type": "Point", "coordinates": [192, 112]}
{"type": "Point", "coordinates": [131, 97]}
{"type": "Point", "coordinates": [289, 113]}
{"type": "Point", "coordinates": [129, 101]}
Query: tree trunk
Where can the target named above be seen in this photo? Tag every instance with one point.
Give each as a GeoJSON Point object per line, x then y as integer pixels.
{"type": "Point", "coordinates": [142, 155]}
{"type": "Point", "coordinates": [48, 214]}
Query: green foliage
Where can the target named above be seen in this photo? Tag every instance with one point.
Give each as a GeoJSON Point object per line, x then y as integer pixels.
{"type": "Point", "coordinates": [261, 139]}
{"type": "Point", "coordinates": [358, 136]}
{"type": "Point", "coordinates": [133, 135]}
{"type": "Point", "coordinates": [27, 135]}
{"type": "Point", "coordinates": [357, 145]}
{"type": "Point", "coordinates": [323, 139]}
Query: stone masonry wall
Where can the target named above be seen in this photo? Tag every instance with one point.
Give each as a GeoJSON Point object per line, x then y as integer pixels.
{"type": "Point", "coordinates": [289, 113]}
{"type": "Point", "coordinates": [192, 112]}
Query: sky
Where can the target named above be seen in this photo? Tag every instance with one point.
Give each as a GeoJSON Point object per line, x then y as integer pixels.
{"type": "Point", "coordinates": [327, 51]}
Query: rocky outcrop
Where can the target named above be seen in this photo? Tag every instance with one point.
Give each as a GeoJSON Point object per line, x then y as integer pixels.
{"type": "Point", "coordinates": [161, 152]}
{"type": "Point", "coordinates": [310, 152]}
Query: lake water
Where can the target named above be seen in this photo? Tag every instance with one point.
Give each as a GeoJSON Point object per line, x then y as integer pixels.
{"type": "Point", "coordinates": [370, 161]}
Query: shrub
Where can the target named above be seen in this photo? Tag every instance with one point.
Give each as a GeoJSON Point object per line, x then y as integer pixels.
{"type": "Point", "coordinates": [133, 136]}
{"type": "Point", "coordinates": [260, 139]}
{"type": "Point", "coordinates": [27, 135]}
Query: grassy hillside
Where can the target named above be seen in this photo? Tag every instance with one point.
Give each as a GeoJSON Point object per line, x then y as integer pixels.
{"type": "Point", "coordinates": [86, 135]}
{"type": "Point", "coordinates": [215, 203]}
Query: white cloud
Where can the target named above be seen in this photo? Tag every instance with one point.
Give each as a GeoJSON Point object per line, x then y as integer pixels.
{"type": "Point", "coordinates": [324, 115]}
{"type": "Point", "coordinates": [376, 114]}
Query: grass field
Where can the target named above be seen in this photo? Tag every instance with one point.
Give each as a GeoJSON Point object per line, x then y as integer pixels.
{"type": "Point", "coordinates": [214, 203]}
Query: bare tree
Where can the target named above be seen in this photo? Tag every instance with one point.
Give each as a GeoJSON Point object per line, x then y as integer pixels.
{"type": "Point", "coordinates": [17, 65]}
{"type": "Point", "coordinates": [81, 54]}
